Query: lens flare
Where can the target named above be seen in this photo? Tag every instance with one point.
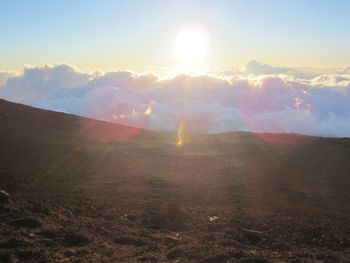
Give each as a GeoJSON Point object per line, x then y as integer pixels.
{"type": "Point", "coordinates": [180, 133]}
{"type": "Point", "coordinates": [148, 111]}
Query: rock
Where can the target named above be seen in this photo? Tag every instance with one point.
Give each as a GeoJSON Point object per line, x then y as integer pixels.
{"type": "Point", "coordinates": [254, 259]}
{"type": "Point", "coordinates": [110, 217]}
{"type": "Point", "coordinates": [215, 258]}
{"type": "Point", "coordinates": [4, 197]}
{"type": "Point", "coordinates": [27, 222]}
{"type": "Point", "coordinates": [250, 237]}
{"type": "Point", "coordinates": [209, 237]}
{"type": "Point", "coordinates": [174, 253]}
{"type": "Point", "coordinates": [252, 231]}
{"type": "Point", "coordinates": [28, 255]}
{"type": "Point", "coordinates": [125, 240]}
{"type": "Point", "coordinates": [173, 240]}
{"type": "Point", "coordinates": [152, 259]}
{"type": "Point", "coordinates": [331, 259]}
{"type": "Point", "coordinates": [173, 218]}
{"type": "Point", "coordinates": [39, 208]}
{"type": "Point", "coordinates": [72, 239]}
{"type": "Point", "coordinates": [213, 218]}
{"type": "Point", "coordinates": [13, 243]}
{"type": "Point", "coordinates": [49, 233]}
{"type": "Point", "coordinates": [6, 258]}
{"type": "Point", "coordinates": [169, 217]}
{"type": "Point", "coordinates": [138, 242]}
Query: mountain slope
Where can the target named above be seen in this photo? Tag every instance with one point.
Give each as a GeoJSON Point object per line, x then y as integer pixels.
{"type": "Point", "coordinates": [115, 193]}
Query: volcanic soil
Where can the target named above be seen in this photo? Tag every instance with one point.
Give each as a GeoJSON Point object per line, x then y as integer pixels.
{"type": "Point", "coordinates": [81, 190]}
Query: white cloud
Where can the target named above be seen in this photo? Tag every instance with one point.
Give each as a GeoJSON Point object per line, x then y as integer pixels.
{"type": "Point", "coordinates": [332, 80]}
{"type": "Point", "coordinates": [268, 101]}
{"type": "Point", "coordinates": [257, 68]}
{"type": "Point", "coordinates": [37, 83]}
{"type": "Point", "coordinates": [4, 76]}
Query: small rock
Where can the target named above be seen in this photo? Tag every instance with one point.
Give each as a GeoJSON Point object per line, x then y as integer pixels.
{"type": "Point", "coordinates": [110, 217]}
{"type": "Point", "coordinates": [4, 197]}
{"type": "Point", "coordinates": [6, 257]}
{"type": "Point", "coordinates": [75, 239]}
{"type": "Point", "coordinates": [13, 243]}
{"type": "Point", "coordinates": [209, 237]}
{"type": "Point", "coordinates": [125, 240]}
{"type": "Point", "coordinates": [215, 258]}
{"type": "Point", "coordinates": [250, 237]}
{"type": "Point", "coordinates": [39, 208]}
{"type": "Point", "coordinates": [252, 231]}
{"type": "Point", "coordinates": [130, 217]}
{"type": "Point", "coordinates": [174, 218]}
{"type": "Point", "coordinates": [138, 242]}
{"type": "Point", "coordinates": [173, 240]}
{"type": "Point", "coordinates": [174, 253]}
{"type": "Point", "coordinates": [27, 222]}
{"type": "Point", "coordinates": [213, 218]}
{"type": "Point", "coordinates": [152, 259]}
{"type": "Point", "coordinates": [29, 255]}
{"type": "Point", "coordinates": [49, 233]}
{"type": "Point", "coordinates": [254, 259]}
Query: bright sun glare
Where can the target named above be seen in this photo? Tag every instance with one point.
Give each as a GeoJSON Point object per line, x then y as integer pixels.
{"type": "Point", "coordinates": [191, 45]}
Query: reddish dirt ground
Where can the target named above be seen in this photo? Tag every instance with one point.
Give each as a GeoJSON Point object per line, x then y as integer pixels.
{"type": "Point", "coordinates": [85, 190]}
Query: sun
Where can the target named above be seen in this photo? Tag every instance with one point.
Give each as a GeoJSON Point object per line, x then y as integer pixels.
{"type": "Point", "coordinates": [191, 45]}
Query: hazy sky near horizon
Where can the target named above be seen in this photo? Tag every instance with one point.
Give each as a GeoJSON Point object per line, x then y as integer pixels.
{"type": "Point", "coordinates": [140, 35]}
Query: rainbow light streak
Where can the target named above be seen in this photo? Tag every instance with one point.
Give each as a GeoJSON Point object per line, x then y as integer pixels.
{"type": "Point", "coordinates": [180, 132]}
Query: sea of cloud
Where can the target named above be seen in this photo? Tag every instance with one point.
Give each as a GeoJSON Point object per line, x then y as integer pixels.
{"type": "Point", "coordinates": [259, 98]}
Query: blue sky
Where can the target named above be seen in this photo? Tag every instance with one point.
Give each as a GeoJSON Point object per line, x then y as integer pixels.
{"type": "Point", "coordinates": [140, 34]}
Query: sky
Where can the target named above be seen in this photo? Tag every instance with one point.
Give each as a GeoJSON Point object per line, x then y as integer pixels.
{"type": "Point", "coordinates": [185, 66]}
{"type": "Point", "coordinates": [140, 35]}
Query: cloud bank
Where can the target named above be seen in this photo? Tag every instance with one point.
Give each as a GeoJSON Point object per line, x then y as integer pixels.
{"type": "Point", "coordinates": [261, 98]}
